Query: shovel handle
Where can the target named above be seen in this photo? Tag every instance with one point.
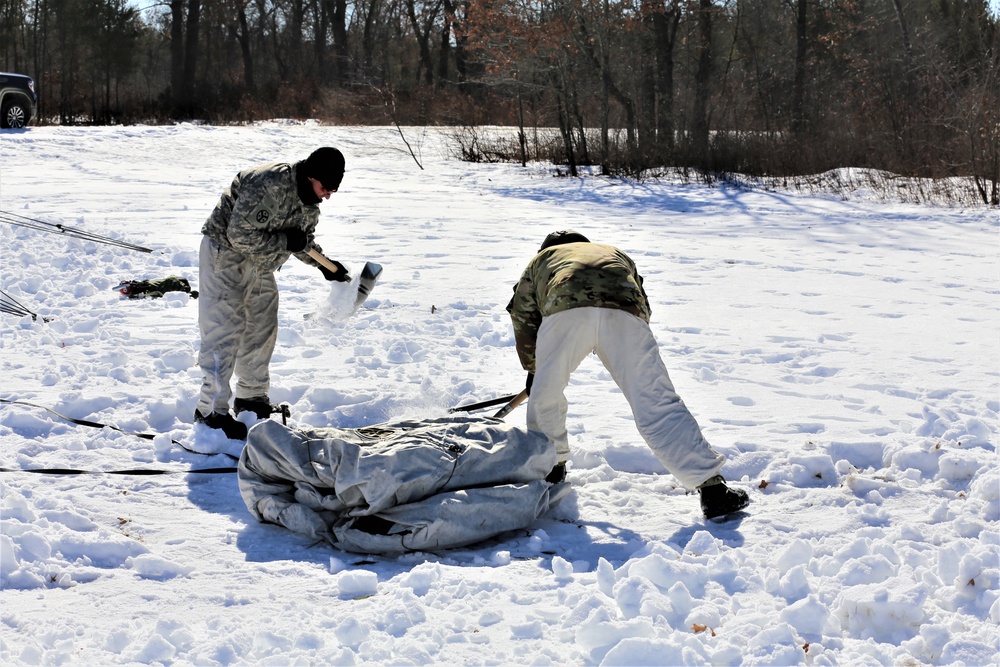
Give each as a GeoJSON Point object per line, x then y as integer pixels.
{"type": "Point", "coordinates": [516, 401]}
{"type": "Point", "coordinates": [322, 260]}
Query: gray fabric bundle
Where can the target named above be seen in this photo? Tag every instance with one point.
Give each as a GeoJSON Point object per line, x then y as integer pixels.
{"type": "Point", "coordinates": [400, 486]}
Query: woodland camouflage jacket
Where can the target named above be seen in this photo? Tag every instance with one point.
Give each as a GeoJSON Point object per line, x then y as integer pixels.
{"type": "Point", "coordinates": [258, 203]}
{"type": "Point", "coordinates": [572, 275]}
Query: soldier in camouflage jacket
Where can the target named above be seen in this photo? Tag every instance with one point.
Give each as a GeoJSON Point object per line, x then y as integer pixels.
{"type": "Point", "coordinates": [266, 215]}
{"type": "Point", "coordinates": [576, 297]}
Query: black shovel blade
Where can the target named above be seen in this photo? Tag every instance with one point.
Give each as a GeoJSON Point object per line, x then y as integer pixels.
{"type": "Point", "coordinates": [369, 276]}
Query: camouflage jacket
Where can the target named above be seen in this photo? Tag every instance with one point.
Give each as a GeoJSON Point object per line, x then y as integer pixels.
{"type": "Point", "coordinates": [572, 275]}
{"type": "Point", "coordinates": [258, 203]}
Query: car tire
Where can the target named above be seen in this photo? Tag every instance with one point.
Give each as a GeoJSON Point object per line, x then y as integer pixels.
{"type": "Point", "coordinates": [14, 116]}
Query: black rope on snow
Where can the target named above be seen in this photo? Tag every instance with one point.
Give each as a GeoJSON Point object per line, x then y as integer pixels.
{"type": "Point", "coordinates": [56, 228]}
{"type": "Point", "coordinates": [137, 471]}
{"type": "Point", "coordinates": [85, 422]}
{"type": "Point", "coordinates": [12, 306]}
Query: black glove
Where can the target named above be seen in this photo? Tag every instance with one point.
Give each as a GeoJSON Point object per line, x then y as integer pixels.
{"type": "Point", "coordinates": [295, 239]}
{"type": "Point", "coordinates": [528, 382]}
{"type": "Point", "coordinates": [340, 275]}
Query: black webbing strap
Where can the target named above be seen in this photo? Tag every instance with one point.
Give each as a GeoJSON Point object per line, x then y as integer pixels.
{"type": "Point", "coordinates": [137, 471]}
{"type": "Point", "coordinates": [93, 424]}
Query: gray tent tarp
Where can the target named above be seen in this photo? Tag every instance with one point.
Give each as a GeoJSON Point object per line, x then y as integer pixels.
{"type": "Point", "coordinates": [399, 486]}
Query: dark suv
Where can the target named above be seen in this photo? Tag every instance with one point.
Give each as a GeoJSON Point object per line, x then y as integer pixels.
{"type": "Point", "coordinates": [18, 102]}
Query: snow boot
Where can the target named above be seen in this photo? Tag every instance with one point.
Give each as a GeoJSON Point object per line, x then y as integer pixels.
{"type": "Point", "coordinates": [225, 422]}
{"type": "Point", "coordinates": [717, 499]}
{"type": "Point", "coordinates": [557, 475]}
{"type": "Point", "coordinates": [259, 405]}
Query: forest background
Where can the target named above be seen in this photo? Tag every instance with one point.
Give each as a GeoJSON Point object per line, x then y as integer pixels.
{"type": "Point", "coordinates": [760, 88]}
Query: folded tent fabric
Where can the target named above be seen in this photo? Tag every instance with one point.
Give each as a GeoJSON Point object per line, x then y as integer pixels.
{"type": "Point", "coordinates": [399, 486]}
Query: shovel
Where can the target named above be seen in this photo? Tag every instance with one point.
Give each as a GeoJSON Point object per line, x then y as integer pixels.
{"type": "Point", "coordinates": [369, 276]}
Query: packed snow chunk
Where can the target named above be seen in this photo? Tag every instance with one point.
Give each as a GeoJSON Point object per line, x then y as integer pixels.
{"type": "Point", "coordinates": [352, 632]}
{"type": "Point", "coordinates": [811, 618]}
{"type": "Point", "coordinates": [665, 573]}
{"type": "Point", "coordinates": [32, 545]}
{"type": "Point", "coordinates": [401, 614]}
{"type": "Point", "coordinates": [950, 557]}
{"type": "Point", "coordinates": [14, 506]}
{"type": "Point", "coordinates": [922, 457]}
{"type": "Point", "coordinates": [562, 568]}
{"type": "Point", "coordinates": [874, 612]}
{"type": "Point", "coordinates": [794, 585]}
{"type": "Point", "coordinates": [959, 466]}
{"type": "Point", "coordinates": [866, 570]}
{"type": "Point", "coordinates": [156, 650]}
{"type": "Point", "coordinates": [814, 470]}
{"type": "Point", "coordinates": [354, 584]}
{"type": "Point", "coordinates": [403, 352]}
{"type": "Point", "coordinates": [149, 566]}
{"type": "Point", "coordinates": [421, 578]}
{"type": "Point", "coordinates": [169, 637]}
{"type": "Point", "coordinates": [16, 571]}
{"type": "Point", "coordinates": [774, 645]}
{"type": "Point", "coordinates": [175, 361]}
{"type": "Point", "coordinates": [600, 632]}
{"type": "Point", "coordinates": [530, 630]}
{"type": "Point", "coordinates": [81, 290]}
{"type": "Point", "coordinates": [862, 455]}
{"type": "Point", "coordinates": [685, 650]}
{"type": "Point", "coordinates": [968, 652]}
{"type": "Point", "coordinates": [102, 548]}
{"type": "Point", "coordinates": [704, 616]}
{"type": "Point", "coordinates": [798, 552]}
{"type": "Point", "coordinates": [985, 488]}
{"type": "Point", "coordinates": [637, 596]}
{"type": "Point", "coordinates": [26, 424]}
{"type": "Point", "coordinates": [702, 543]}
{"type": "Point", "coordinates": [928, 644]}
{"type": "Point", "coordinates": [936, 424]}
{"type": "Point", "coordinates": [976, 582]}
{"type": "Point", "coordinates": [971, 432]}
{"type": "Point", "coordinates": [8, 558]}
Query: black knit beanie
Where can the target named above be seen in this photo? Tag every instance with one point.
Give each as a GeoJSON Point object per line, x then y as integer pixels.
{"type": "Point", "coordinates": [561, 237]}
{"type": "Point", "coordinates": [326, 165]}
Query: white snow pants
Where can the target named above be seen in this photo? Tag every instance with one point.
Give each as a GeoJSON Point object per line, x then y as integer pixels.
{"type": "Point", "coordinates": [238, 318]}
{"type": "Point", "coordinates": [626, 347]}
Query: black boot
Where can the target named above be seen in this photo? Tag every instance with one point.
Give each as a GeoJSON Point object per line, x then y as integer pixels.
{"type": "Point", "coordinates": [557, 474]}
{"type": "Point", "coordinates": [259, 405]}
{"type": "Point", "coordinates": [225, 422]}
{"type": "Point", "coordinates": [717, 499]}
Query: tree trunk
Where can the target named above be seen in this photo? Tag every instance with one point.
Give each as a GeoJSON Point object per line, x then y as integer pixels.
{"type": "Point", "coordinates": [665, 31]}
{"type": "Point", "coordinates": [647, 79]}
{"type": "Point", "coordinates": [243, 36]}
{"type": "Point", "coordinates": [423, 41]}
{"type": "Point", "coordinates": [319, 38]}
{"type": "Point", "coordinates": [801, 52]}
{"type": "Point", "coordinates": [191, 52]}
{"type": "Point", "coordinates": [444, 58]}
{"type": "Point", "coordinates": [337, 9]}
{"type": "Point", "coordinates": [702, 79]}
{"type": "Point", "coordinates": [177, 52]}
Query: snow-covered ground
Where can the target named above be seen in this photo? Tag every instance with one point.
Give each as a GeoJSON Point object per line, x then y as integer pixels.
{"type": "Point", "coordinates": [843, 355]}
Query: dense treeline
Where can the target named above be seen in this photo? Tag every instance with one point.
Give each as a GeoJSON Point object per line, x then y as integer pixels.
{"type": "Point", "coordinates": [760, 87]}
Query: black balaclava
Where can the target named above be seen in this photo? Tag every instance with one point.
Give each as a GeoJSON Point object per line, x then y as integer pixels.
{"type": "Point", "coordinates": [326, 165]}
{"type": "Point", "coordinates": [561, 237]}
